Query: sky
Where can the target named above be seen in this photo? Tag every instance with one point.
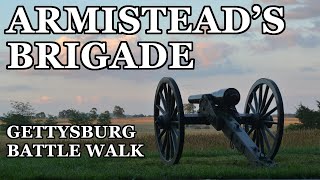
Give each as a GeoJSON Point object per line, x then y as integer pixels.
{"type": "Point", "coordinates": [291, 59]}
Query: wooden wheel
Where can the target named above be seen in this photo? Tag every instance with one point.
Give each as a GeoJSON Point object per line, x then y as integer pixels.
{"type": "Point", "coordinates": [169, 121]}
{"type": "Point", "coordinates": [265, 102]}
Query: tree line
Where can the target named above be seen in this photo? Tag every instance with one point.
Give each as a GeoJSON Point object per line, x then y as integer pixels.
{"type": "Point", "coordinates": [24, 114]}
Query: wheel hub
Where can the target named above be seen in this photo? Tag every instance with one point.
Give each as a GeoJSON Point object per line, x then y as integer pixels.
{"type": "Point", "coordinates": [260, 122]}
{"type": "Point", "coordinates": [164, 121]}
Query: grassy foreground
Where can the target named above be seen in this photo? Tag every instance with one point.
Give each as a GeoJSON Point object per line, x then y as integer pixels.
{"type": "Point", "coordinates": [206, 155]}
{"type": "Point", "coordinates": [222, 163]}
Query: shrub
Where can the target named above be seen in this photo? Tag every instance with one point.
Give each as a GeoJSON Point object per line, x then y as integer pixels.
{"type": "Point", "coordinates": [104, 118]}
{"type": "Point", "coordinates": [309, 118]}
{"type": "Point", "coordinates": [16, 119]}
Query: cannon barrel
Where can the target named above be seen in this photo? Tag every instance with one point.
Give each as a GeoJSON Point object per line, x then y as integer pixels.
{"type": "Point", "coordinates": [223, 97]}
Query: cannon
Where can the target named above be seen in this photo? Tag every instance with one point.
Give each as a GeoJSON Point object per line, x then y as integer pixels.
{"type": "Point", "coordinates": [256, 133]}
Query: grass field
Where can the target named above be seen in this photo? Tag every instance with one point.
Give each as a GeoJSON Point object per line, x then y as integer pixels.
{"type": "Point", "coordinates": [206, 155]}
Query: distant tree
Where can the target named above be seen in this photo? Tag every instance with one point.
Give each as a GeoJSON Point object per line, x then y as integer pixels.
{"type": "Point", "coordinates": [189, 108]}
{"type": "Point", "coordinates": [66, 113]}
{"type": "Point", "coordinates": [104, 118]}
{"type": "Point", "coordinates": [40, 115]}
{"type": "Point", "coordinates": [139, 115]}
{"type": "Point", "coordinates": [79, 118]}
{"type": "Point", "coordinates": [21, 114]}
{"type": "Point", "coordinates": [22, 108]}
{"type": "Point", "coordinates": [62, 114]}
{"type": "Point", "coordinates": [118, 111]}
{"type": "Point", "coordinates": [93, 113]}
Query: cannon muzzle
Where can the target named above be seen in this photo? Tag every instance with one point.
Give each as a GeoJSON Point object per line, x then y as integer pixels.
{"type": "Point", "coordinates": [223, 97]}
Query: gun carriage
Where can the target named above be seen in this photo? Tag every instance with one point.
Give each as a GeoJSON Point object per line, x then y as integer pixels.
{"type": "Point", "coordinates": [257, 133]}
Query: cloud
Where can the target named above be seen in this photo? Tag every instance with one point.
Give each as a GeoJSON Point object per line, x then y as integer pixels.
{"type": "Point", "coordinates": [4, 55]}
{"type": "Point", "coordinates": [224, 67]}
{"type": "Point", "coordinates": [16, 88]}
{"type": "Point", "coordinates": [4, 58]}
{"type": "Point", "coordinates": [304, 10]}
{"type": "Point", "coordinates": [95, 99]}
{"type": "Point", "coordinates": [309, 69]}
{"type": "Point", "coordinates": [296, 9]}
{"type": "Point", "coordinates": [289, 38]}
{"type": "Point", "coordinates": [207, 53]}
{"type": "Point", "coordinates": [43, 100]}
{"type": "Point", "coordinates": [282, 2]}
{"type": "Point", "coordinates": [80, 100]}
{"type": "Point", "coordinates": [315, 26]}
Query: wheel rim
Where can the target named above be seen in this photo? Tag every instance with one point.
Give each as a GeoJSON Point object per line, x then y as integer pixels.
{"type": "Point", "coordinates": [265, 101]}
{"type": "Point", "coordinates": [169, 121]}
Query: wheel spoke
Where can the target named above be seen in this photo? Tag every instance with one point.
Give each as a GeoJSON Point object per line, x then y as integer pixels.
{"type": "Point", "coordinates": [174, 142]}
{"type": "Point", "coordinates": [168, 145]}
{"type": "Point", "coordinates": [258, 138]}
{"type": "Point", "coordinates": [161, 134]}
{"type": "Point", "coordinates": [163, 101]}
{"type": "Point", "coordinates": [175, 132]}
{"type": "Point", "coordinates": [261, 142]}
{"type": "Point", "coordinates": [165, 89]}
{"type": "Point", "coordinates": [171, 145]}
{"type": "Point", "coordinates": [161, 110]}
{"type": "Point", "coordinates": [169, 100]}
{"type": "Point", "coordinates": [260, 96]}
{"type": "Point", "coordinates": [255, 99]}
{"type": "Point", "coordinates": [264, 98]}
{"type": "Point", "coordinates": [174, 112]}
{"type": "Point", "coordinates": [164, 144]}
{"type": "Point", "coordinates": [173, 104]}
{"type": "Point", "coordinates": [250, 131]}
{"type": "Point", "coordinates": [270, 133]}
{"type": "Point", "coordinates": [254, 136]}
{"type": "Point", "coordinates": [252, 108]}
{"type": "Point", "coordinates": [270, 112]}
{"type": "Point", "coordinates": [165, 92]}
{"type": "Point", "coordinates": [266, 107]}
{"type": "Point", "coordinates": [266, 139]}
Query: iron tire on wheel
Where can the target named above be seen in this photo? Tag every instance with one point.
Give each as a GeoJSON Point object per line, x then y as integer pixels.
{"type": "Point", "coordinates": [268, 134]}
{"type": "Point", "coordinates": [169, 121]}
